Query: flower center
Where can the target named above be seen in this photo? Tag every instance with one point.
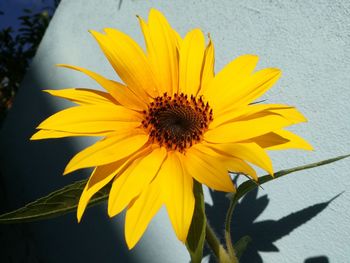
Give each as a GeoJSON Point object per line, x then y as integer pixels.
{"type": "Point", "coordinates": [177, 122]}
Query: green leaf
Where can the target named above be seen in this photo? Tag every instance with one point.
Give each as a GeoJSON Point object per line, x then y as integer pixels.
{"type": "Point", "coordinates": [196, 235]}
{"type": "Point", "coordinates": [241, 245]}
{"type": "Point", "coordinates": [57, 203]}
{"type": "Point", "coordinates": [247, 186]}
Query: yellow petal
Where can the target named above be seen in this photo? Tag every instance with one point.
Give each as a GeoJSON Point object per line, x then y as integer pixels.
{"type": "Point", "coordinates": [225, 83]}
{"type": "Point", "coordinates": [128, 60]}
{"type": "Point", "coordinates": [280, 140]}
{"type": "Point", "coordinates": [90, 119]}
{"type": "Point", "coordinates": [208, 66]}
{"type": "Point", "coordinates": [191, 61]}
{"type": "Point", "coordinates": [232, 164]}
{"type": "Point", "coordinates": [84, 96]}
{"type": "Point", "coordinates": [291, 114]}
{"type": "Point", "coordinates": [256, 125]}
{"type": "Point", "coordinates": [142, 210]}
{"type": "Point", "coordinates": [208, 168]}
{"type": "Point", "coordinates": [51, 134]}
{"type": "Point", "coordinates": [118, 91]}
{"type": "Point", "coordinates": [100, 177]}
{"type": "Point", "coordinates": [252, 88]}
{"type": "Point", "coordinates": [108, 150]}
{"type": "Point", "coordinates": [161, 44]}
{"type": "Point", "coordinates": [131, 183]}
{"type": "Point", "coordinates": [152, 58]}
{"type": "Point", "coordinates": [103, 175]}
{"type": "Point", "coordinates": [250, 152]}
{"type": "Point", "coordinates": [177, 191]}
{"type": "Point", "coordinates": [237, 113]}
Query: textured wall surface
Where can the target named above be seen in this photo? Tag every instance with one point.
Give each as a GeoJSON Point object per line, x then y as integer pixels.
{"type": "Point", "coordinates": [308, 40]}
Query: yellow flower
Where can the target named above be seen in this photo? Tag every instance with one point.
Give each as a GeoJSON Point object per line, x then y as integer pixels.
{"type": "Point", "coordinates": [171, 122]}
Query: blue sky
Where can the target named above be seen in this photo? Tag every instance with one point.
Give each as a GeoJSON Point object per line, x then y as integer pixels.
{"type": "Point", "coordinates": [14, 8]}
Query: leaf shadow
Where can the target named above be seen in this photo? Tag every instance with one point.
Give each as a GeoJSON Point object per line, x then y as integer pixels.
{"type": "Point", "coordinates": [263, 233]}
{"type": "Point", "coordinates": [120, 4]}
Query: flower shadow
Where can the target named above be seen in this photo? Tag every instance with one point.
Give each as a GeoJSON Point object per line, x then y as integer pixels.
{"type": "Point", "coordinates": [263, 233]}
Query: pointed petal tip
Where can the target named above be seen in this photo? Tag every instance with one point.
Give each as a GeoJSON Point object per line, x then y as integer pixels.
{"type": "Point", "coordinates": [109, 30]}
{"type": "Point", "coordinates": [302, 118]}
{"type": "Point", "coordinates": [278, 72]}
{"type": "Point", "coordinates": [110, 211]}
{"type": "Point", "coordinates": [130, 244]}
{"type": "Point", "coordinates": [91, 31]}
{"type": "Point", "coordinates": [61, 65]}
{"type": "Point", "coordinates": [79, 216]}
{"type": "Point", "coordinates": [230, 189]}
{"type": "Point", "coordinates": [66, 66]}
{"type": "Point", "coordinates": [72, 166]}
{"type": "Point", "coordinates": [110, 207]}
{"type": "Point", "coordinates": [51, 92]}
{"type": "Point", "coordinates": [183, 238]}
{"type": "Point", "coordinates": [97, 35]}
{"type": "Point", "coordinates": [36, 135]}
{"type": "Point", "coordinates": [81, 207]}
{"type": "Point", "coordinates": [250, 56]}
{"type": "Point", "coordinates": [130, 240]}
{"type": "Point", "coordinates": [270, 171]}
{"type": "Point", "coordinates": [275, 72]}
{"type": "Point", "coordinates": [140, 19]}
{"type": "Point", "coordinates": [307, 146]}
{"type": "Point", "coordinates": [153, 10]}
{"type": "Point", "coordinates": [67, 170]}
{"type": "Point", "coordinates": [197, 30]}
{"type": "Point", "coordinates": [155, 13]}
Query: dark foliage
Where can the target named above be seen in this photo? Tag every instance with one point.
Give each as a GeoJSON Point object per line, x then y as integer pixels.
{"type": "Point", "coordinates": [17, 48]}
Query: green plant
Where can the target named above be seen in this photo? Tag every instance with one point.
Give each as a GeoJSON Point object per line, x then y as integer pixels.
{"type": "Point", "coordinates": [17, 48]}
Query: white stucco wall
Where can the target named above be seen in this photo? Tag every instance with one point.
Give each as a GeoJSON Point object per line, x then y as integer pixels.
{"type": "Point", "coordinates": [308, 40]}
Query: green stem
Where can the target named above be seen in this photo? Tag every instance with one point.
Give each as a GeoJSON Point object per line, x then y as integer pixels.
{"type": "Point", "coordinates": [214, 243]}
{"type": "Point", "coordinates": [228, 220]}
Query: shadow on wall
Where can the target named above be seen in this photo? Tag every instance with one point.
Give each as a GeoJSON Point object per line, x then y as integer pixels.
{"type": "Point", "coordinates": [263, 233]}
{"type": "Point", "coordinates": [32, 169]}
{"type": "Point", "coordinates": [320, 259]}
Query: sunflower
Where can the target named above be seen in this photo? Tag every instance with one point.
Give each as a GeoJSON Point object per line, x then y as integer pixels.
{"type": "Point", "coordinates": [171, 121]}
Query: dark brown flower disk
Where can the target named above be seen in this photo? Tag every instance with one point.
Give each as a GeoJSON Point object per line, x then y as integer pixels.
{"type": "Point", "coordinates": [177, 122]}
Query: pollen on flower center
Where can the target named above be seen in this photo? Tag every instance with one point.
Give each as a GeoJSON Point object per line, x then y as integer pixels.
{"type": "Point", "coordinates": [177, 122]}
